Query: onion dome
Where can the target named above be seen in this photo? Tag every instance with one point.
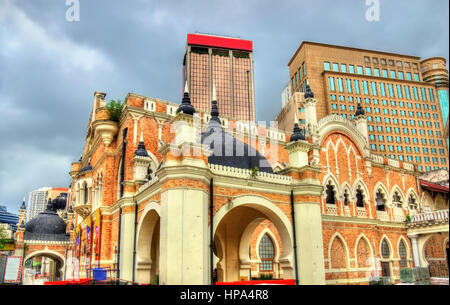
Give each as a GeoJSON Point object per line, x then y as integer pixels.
{"type": "Point", "coordinates": [46, 226]}
{"type": "Point", "coordinates": [86, 168]}
{"type": "Point", "coordinates": [186, 106]}
{"type": "Point", "coordinates": [141, 151]}
{"type": "Point", "coordinates": [359, 110]}
{"type": "Point", "coordinates": [59, 203]}
{"type": "Point", "coordinates": [308, 93]}
{"type": "Point", "coordinates": [297, 135]}
{"type": "Point", "coordinates": [229, 151]}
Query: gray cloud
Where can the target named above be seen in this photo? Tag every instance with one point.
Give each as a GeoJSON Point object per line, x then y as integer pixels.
{"type": "Point", "coordinates": [50, 67]}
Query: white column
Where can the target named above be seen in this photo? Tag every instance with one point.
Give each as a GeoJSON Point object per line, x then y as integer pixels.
{"type": "Point", "coordinates": [415, 248]}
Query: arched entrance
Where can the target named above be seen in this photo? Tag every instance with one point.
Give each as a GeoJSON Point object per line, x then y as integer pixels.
{"type": "Point", "coordinates": [51, 263]}
{"type": "Point", "coordinates": [234, 225]}
{"type": "Point", "coordinates": [147, 248]}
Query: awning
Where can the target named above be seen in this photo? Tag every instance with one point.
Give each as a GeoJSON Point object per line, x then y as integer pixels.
{"type": "Point", "coordinates": [433, 187]}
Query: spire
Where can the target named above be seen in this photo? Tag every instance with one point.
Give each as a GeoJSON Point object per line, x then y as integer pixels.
{"type": "Point", "coordinates": [214, 97]}
{"type": "Point", "coordinates": [297, 135]}
{"type": "Point", "coordinates": [186, 106]}
{"type": "Point", "coordinates": [214, 108]}
{"type": "Point", "coordinates": [359, 110]}
{"type": "Point", "coordinates": [308, 93]}
{"type": "Point", "coordinates": [141, 150]}
{"type": "Point", "coordinates": [23, 207]}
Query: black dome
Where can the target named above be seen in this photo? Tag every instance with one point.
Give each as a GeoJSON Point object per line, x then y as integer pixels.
{"type": "Point", "coordinates": [59, 203]}
{"type": "Point", "coordinates": [229, 151]}
{"type": "Point", "coordinates": [46, 226]}
{"type": "Point", "coordinates": [359, 110]}
{"type": "Point", "coordinates": [297, 135]}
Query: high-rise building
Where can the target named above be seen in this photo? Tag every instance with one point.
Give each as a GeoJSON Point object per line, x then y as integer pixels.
{"type": "Point", "coordinates": [37, 201]}
{"type": "Point", "coordinates": [405, 99]}
{"type": "Point", "coordinates": [227, 63]}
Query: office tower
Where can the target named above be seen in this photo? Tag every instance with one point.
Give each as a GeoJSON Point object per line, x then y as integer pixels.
{"type": "Point", "coordinates": [37, 202]}
{"type": "Point", "coordinates": [405, 99]}
{"type": "Point", "coordinates": [227, 63]}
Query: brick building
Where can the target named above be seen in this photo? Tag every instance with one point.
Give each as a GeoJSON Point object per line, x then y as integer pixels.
{"type": "Point", "coordinates": [405, 98]}
{"type": "Point", "coordinates": [153, 191]}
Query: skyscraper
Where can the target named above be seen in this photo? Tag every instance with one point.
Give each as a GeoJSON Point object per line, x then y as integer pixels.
{"type": "Point", "coordinates": [37, 201]}
{"type": "Point", "coordinates": [405, 99]}
{"type": "Point", "coordinates": [228, 64]}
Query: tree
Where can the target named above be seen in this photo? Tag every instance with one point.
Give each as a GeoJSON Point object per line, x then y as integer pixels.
{"type": "Point", "coordinates": [2, 236]}
{"type": "Point", "coordinates": [115, 110]}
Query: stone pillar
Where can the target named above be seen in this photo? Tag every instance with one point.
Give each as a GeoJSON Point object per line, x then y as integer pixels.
{"type": "Point", "coordinates": [127, 241]}
{"type": "Point", "coordinates": [298, 153]}
{"type": "Point", "coordinates": [361, 125]}
{"type": "Point", "coordinates": [415, 249]}
{"type": "Point", "coordinates": [184, 233]}
{"type": "Point", "coordinates": [308, 227]}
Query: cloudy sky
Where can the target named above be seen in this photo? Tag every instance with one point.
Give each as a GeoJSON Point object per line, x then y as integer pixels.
{"type": "Point", "coordinates": [50, 68]}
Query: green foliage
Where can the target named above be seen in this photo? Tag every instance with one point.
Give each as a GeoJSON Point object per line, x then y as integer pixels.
{"type": "Point", "coordinates": [115, 110]}
{"type": "Point", "coordinates": [408, 218]}
{"type": "Point", "coordinates": [2, 237]}
{"type": "Point", "coordinates": [265, 276]}
{"type": "Point", "coordinates": [255, 171]}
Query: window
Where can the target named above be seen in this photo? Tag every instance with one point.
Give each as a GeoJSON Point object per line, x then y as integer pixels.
{"type": "Point", "coordinates": [343, 68]}
{"type": "Point", "coordinates": [367, 59]}
{"type": "Point", "coordinates": [424, 95]}
{"type": "Point", "coordinates": [416, 94]}
{"type": "Point", "coordinates": [365, 87]}
{"type": "Point", "coordinates": [402, 255]}
{"type": "Point", "coordinates": [397, 200]}
{"type": "Point", "coordinates": [349, 85]}
{"type": "Point", "coordinates": [408, 76]}
{"type": "Point", "coordinates": [383, 61]}
{"type": "Point", "coordinates": [400, 75]}
{"type": "Point", "coordinates": [430, 94]}
{"type": "Point", "coordinates": [391, 62]}
{"type": "Point", "coordinates": [326, 66]}
{"type": "Point", "coordinates": [340, 85]}
{"type": "Point", "coordinates": [384, 73]}
{"type": "Point", "coordinates": [391, 90]}
{"type": "Point", "coordinates": [359, 198]}
{"type": "Point", "coordinates": [368, 71]}
{"type": "Point", "coordinates": [331, 197]}
{"type": "Point", "coordinates": [331, 83]}
{"type": "Point", "coordinates": [399, 91]}
{"type": "Point", "coordinates": [392, 74]}
{"type": "Point", "coordinates": [375, 60]}
{"type": "Point", "coordinates": [351, 68]}
{"type": "Point", "coordinates": [356, 83]}
{"type": "Point", "coordinates": [335, 67]}
{"type": "Point", "coordinates": [382, 89]}
{"type": "Point", "coordinates": [399, 64]}
{"type": "Point", "coordinates": [385, 252]}
{"type": "Point", "coordinates": [380, 201]}
{"type": "Point", "coordinates": [407, 94]}
{"type": "Point", "coordinates": [376, 72]}
{"type": "Point", "coordinates": [416, 77]}
{"type": "Point", "coordinates": [374, 88]}
{"type": "Point", "coordinates": [266, 253]}
{"type": "Point", "coordinates": [359, 70]}
{"type": "Point", "coordinates": [346, 200]}
{"type": "Point", "coordinates": [412, 204]}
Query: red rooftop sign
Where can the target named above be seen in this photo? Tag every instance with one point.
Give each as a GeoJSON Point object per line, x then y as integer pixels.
{"type": "Point", "coordinates": [220, 42]}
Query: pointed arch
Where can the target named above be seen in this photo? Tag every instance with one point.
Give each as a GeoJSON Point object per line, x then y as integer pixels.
{"type": "Point", "coordinates": [397, 189]}
{"type": "Point", "coordinates": [337, 236]}
{"type": "Point", "coordinates": [382, 190]}
{"type": "Point", "coordinates": [331, 178]}
{"type": "Point", "coordinates": [408, 250]}
{"type": "Point", "coordinates": [384, 238]}
{"type": "Point", "coordinates": [368, 257]}
{"type": "Point", "coordinates": [360, 182]}
{"type": "Point", "coordinates": [346, 187]}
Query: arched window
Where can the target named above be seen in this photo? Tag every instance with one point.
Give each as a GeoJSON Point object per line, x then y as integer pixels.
{"type": "Point", "coordinates": [412, 203]}
{"type": "Point", "coordinates": [359, 198]}
{"type": "Point", "coordinates": [380, 201]}
{"type": "Point", "coordinates": [330, 194]}
{"type": "Point", "coordinates": [402, 254]}
{"type": "Point", "coordinates": [266, 253]}
{"type": "Point", "coordinates": [86, 193]}
{"type": "Point", "coordinates": [385, 252]}
{"type": "Point", "coordinates": [397, 200]}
